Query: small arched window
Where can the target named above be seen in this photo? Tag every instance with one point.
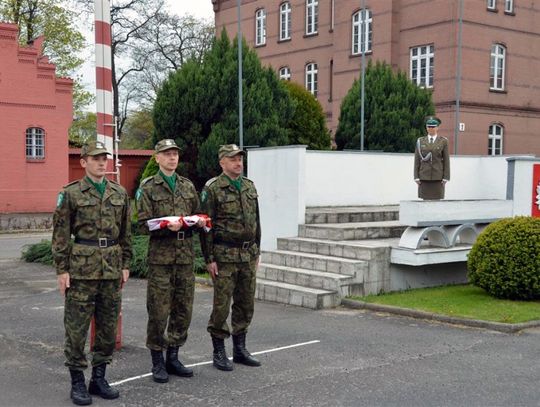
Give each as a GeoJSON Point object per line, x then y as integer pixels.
{"type": "Point", "coordinates": [285, 18]}
{"type": "Point", "coordinates": [312, 74]}
{"type": "Point", "coordinates": [362, 26]}
{"type": "Point", "coordinates": [495, 139]}
{"type": "Point", "coordinates": [285, 73]}
{"type": "Point", "coordinates": [35, 143]}
{"type": "Point", "coordinates": [260, 27]}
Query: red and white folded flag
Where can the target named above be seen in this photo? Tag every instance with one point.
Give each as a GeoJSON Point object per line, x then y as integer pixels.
{"type": "Point", "coordinates": [186, 221]}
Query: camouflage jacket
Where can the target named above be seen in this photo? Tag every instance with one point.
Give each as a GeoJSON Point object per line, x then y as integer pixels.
{"type": "Point", "coordinates": [81, 212]}
{"type": "Point", "coordinates": [155, 199]}
{"type": "Point", "coordinates": [235, 219]}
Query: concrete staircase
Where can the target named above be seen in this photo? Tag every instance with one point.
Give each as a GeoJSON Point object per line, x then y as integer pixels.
{"type": "Point", "coordinates": [340, 251]}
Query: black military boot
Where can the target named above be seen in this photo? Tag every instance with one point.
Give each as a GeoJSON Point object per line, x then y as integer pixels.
{"type": "Point", "coordinates": [159, 374]}
{"type": "Point", "coordinates": [99, 386]}
{"type": "Point", "coordinates": [221, 361]}
{"type": "Point", "coordinates": [174, 366]}
{"type": "Point", "coordinates": [240, 353]}
{"type": "Point", "coordinates": [79, 394]}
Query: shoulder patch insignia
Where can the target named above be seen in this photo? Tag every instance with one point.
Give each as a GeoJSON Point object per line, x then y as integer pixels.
{"type": "Point", "coordinates": [204, 195]}
{"type": "Point", "coordinates": [138, 194]}
{"type": "Point", "coordinates": [60, 199]}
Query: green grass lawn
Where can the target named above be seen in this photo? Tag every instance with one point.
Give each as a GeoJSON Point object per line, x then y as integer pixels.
{"type": "Point", "coordinates": [464, 301]}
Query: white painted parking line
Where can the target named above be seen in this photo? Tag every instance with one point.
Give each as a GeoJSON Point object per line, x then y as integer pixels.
{"type": "Point", "coordinates": [118, 383]}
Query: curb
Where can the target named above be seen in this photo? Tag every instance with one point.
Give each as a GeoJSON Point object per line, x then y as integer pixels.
{"type": "Point", "coordinates": [475, 323]}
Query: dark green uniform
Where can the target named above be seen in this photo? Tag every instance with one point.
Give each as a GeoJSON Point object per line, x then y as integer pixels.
{"type": "Point", "coordinates": [171, 281]}
{"type": "Point", "coordinates": [234, 244]}
{"type": "Point", "coordinates": [101, 227]}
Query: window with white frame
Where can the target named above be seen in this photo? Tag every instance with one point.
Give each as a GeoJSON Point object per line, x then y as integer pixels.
{"type": "Point", "coordinates": [495, 143]}
{"type": "Point", "coordinates": [362, 31]}
{"type": "Point", "coordinates": [422, 65]}
{"type": "Point", "coordinates": [260, 27]}
{"type": "Point", "coordinates": [35, 143]}
{"type": "Point", "coordinates": [312, 74]}
{"type": "Point", "coordinates": [285, 73]}
{"type": "Point", "coordinates": [497, 68]}
{"type": "Point", "coordinates": [508, 6]}
{"type": "Point", "coordinates": [312, 16]}
{"type": "Point", "coordinates": [285, 18]}
{"type": "Point", "coordinates": [492, 4]}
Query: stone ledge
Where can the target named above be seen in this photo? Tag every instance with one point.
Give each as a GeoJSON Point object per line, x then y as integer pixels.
{"type": "Point", "coordinates": [475, 323]}
{"type": "Point", "coordinates": [433, 255]}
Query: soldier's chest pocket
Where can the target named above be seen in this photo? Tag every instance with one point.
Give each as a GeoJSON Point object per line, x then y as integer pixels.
{"type": "Point", "coordinates": [183, 203]}
{"type": "Point", "coordinates": [162, 205]}
{"type": "Point", "coordinates": [250, 202]}
{"type": "Point", "coordinates": [229, 205]}
{"type": "Point", "coordinates": [116, 205]}
{"type": "Point", "coordinates": [88, 209]}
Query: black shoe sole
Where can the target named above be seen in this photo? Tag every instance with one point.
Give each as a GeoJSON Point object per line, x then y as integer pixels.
{"type": "Point", "coordinates": [160, 380]}
{"type": "Point", "coordinates": [173, 372]}
{"type": "Point", "coordinates": [83, 403]}
{"type": "Point", "coordinates": [246, 363]}
{"type": "Point", "coordinates": [224, 368]}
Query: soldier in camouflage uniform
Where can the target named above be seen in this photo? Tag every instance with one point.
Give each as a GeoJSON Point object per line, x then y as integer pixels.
{"type": "Point", "coordinates": [231, 251]}
{"type": "Point", "coordinates": [91, 270]}
{"type": "Point", "coordinates": [171, 281]}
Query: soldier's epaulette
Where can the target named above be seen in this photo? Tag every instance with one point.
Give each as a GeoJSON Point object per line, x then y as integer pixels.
{"type": "Point", "coordinates": [144, 181]}
{"type": "Point", "coordinates": [184, 179]}
{"type": "Point", "coordinates": [444, 138]}
{"type": "Point", "coordinates": [248, 180]}
{"type": "Point", "coordinates": [210, 182]}
{"type": "Point", "coordinates": [71, 183]}
{"type": "Point", "coordinates": [117, 187]}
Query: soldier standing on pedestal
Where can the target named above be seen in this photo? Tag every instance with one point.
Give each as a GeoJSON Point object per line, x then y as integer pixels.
{"type": "Point", "coordinates": [92, 270]}
{"type": "Point", "coordinates": [431, 162]}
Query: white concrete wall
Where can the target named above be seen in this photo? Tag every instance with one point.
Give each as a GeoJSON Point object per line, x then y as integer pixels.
{"type": "Point", "coordinates": [290, 178]}
{"type": "Point", "coordinates": [278, 173]}
{"type": "Point", "coordinates": [352, 178]}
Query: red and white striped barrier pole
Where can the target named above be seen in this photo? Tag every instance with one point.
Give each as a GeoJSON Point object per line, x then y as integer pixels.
{"type": "Point", "coordinates": [104, 103]}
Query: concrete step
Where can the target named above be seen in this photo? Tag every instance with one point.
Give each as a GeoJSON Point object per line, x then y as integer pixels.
{"type": "Point", "coordinates": [341, 283]}
{"type": "Point", "coordinates": [317, 262]}
{"type": "Point", "coordinates": [352, 231]}
{"type": "Point", "coordinates": [292, 294]}
{"type": "Point", "coordinates": [348, 214]}
{"type": "Point", "coordinates": [373, 249]}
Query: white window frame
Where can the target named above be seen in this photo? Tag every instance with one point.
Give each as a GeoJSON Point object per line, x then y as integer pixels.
{"type": "Point", "coordinates": [508, 6]}
{"type": "Point", "coordinates": [492, 4]}
{"type": "Point", "coordinates": [312, 17]}
{"type": "Point", "coordinates": [285, 73]}
{"type": "Point", "coordinates": [35, 143]}
{"type": "Point", "coordinates": [312, 78]}
{"type": "Point", "coordinates": [362, 31]}
{"type": "Point", "coordinates": [260, 27]}
{"type": "Point", "coordinates": [495, 139]}
{"type": "Point", "coordinates": [285, 21]}
{"type": "Point", "coordinates": [422, 58]}
{"type": "Point", "coordinates": [497, 68]}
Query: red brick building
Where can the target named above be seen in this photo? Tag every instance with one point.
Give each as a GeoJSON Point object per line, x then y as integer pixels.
{"type": "Point", "coordinates": [318, 43]}
{"type": "Point", "coordinates": [35, 115]}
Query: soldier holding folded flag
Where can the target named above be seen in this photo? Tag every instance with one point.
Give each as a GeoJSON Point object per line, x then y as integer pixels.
{"type": "Point", "coordinates": [171, 281]}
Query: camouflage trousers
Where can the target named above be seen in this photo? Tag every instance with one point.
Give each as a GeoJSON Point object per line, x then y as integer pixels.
{"type": "Point", "coordinates": [84, 299]}
{"type": "Point", "coordinates": [169, 298]}
{"type": "Point", "coordinates": [234, 281]}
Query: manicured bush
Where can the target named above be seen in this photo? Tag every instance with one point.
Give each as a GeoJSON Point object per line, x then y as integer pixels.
{"type": "Point", "coordinates": [505, 260]}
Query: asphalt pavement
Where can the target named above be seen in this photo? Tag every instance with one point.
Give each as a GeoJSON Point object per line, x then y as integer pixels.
{"type": "Point", "coordinates": [338, 357]}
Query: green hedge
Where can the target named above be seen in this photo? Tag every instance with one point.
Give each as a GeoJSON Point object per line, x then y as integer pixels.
{"type": "Point", "coordinates": [505, 260]}
{"type": "Point", "coordinates": [42, 253]}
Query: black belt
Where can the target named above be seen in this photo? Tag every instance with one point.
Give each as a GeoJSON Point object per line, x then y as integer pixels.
{"type": "Point", "coordinates": [101, 242]}
{"type": "Point", "coordinates": [180, 235]}
{"type": "Point", "coordinates": [242, 245]}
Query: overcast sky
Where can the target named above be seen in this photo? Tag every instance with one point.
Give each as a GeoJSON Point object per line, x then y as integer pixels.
{"type": "Point", "coordinates": [197, 8]}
